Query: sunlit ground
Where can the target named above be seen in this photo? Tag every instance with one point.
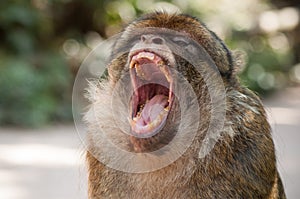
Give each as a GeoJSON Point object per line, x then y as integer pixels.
{"type": "Point", "coordinates": [284, 115]}
{"type": "Point", "coordinates": [37, 164]}
{"type": "Point", "coordinates": [49, 163]}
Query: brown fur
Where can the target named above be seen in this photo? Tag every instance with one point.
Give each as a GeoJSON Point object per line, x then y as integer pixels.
{"type": "Point", "coordinates": [241, 165]}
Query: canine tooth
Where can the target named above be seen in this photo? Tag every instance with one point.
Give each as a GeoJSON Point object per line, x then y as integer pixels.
{"type": "Point", "coordinates": [160, 63]}
{"type": "Point", "coordinates": [166, 73]}
{"type": "Point", "coordinates": [133, 64]}
{"type": "Point", "coordinates": [138, 71]}
{"type": "Point", "coordinates": [168, 78]}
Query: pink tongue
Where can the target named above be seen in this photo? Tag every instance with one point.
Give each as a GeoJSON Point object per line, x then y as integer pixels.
{"type": "Point", "coordinates": [152, 109]}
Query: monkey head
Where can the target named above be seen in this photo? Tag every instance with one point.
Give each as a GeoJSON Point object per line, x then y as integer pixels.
{"type": "Point", "coordinates": [166, 74]}
{"type": "Point", "coordinates": [163, 47]}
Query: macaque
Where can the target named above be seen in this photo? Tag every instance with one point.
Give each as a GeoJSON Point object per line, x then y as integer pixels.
{"type": "Point", "coordinates": [154, 94]}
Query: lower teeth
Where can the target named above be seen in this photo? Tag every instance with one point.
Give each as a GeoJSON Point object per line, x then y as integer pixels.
{"type": "Point", "coordinates": [140, 110]}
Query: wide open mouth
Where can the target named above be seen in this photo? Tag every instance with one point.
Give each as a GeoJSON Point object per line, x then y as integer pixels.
{"type": "Point", "coordinates": [153, 93]}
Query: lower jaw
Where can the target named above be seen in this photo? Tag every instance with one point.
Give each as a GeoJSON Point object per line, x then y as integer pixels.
{"type": "Point", "coordinates": [151, 144]}
{"type": "Point", "coordinates": [160, 139]}
{"type": "Point", "coordinates": [150, 129]}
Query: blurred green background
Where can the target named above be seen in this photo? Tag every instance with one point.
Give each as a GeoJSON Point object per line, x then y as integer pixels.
{"type": "Point", "coordinates": [43, 43]}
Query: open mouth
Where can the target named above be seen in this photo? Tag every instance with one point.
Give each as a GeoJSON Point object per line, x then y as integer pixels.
{"type": "Point", "coordinates": [153, 93]}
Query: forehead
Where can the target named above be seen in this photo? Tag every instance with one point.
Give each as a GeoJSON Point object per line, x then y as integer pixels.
{"type": "Point", "coordinates": [180, 23]}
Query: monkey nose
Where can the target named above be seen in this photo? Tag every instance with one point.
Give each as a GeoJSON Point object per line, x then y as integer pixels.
{"type": "Point", "coordinates": [152, 39]}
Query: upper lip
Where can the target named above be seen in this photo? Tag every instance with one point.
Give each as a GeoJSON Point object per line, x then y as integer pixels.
{"type": "Point", "coordinates": [152, 51]}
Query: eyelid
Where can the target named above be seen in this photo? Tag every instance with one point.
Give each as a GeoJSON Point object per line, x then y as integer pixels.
{"type": "Point", "coordinates": [180, 40]}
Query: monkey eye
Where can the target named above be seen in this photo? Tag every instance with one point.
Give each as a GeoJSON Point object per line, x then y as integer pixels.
{"type": "Point", "coordinates": [180, 41]}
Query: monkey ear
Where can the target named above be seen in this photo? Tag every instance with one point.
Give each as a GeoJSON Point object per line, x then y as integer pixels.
{"type": "Point", "coordinates": [239, 61]}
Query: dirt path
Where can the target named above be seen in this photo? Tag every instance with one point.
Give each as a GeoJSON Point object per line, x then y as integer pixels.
{"type": "Point", "coordinates": [36, 164]}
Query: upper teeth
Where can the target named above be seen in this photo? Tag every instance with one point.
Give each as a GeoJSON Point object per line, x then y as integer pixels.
{"type": "Point", "coordinates": [150, 56]}
{"type": "Point", "coordinates": [147, 55]}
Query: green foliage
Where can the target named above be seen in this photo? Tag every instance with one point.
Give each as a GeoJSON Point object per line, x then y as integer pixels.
{"type": "Point", "coordinates": [35, 81]}
{"type": "Point", "coordinates": [34, 95]}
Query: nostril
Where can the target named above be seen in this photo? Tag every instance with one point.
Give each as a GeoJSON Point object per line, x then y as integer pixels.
{"type": "Point", "coordinates": [154, 39]}
{"type": "Point", "coordinates": [143, 38]}
{"type": "Point", "coordinates": [157, 40]}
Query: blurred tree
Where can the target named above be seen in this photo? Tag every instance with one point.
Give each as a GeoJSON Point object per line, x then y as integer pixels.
{"type": "Point", "coordinates": [293, 33]}
{"type": "Point", "coordinates": [35, 82]}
